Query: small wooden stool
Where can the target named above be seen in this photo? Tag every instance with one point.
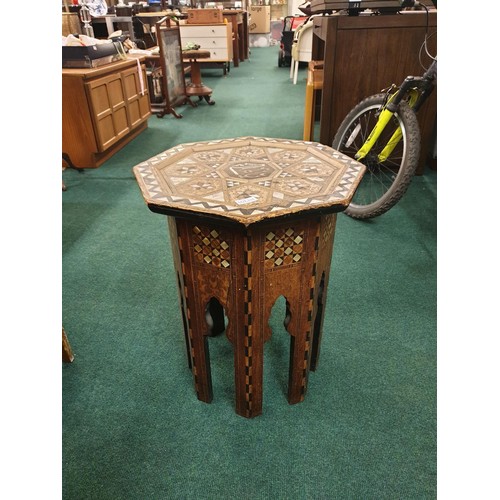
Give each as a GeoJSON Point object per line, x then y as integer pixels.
{"type": "Point", "coordinates": [196, 87]}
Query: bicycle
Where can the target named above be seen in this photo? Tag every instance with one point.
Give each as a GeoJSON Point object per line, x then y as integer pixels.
{"type": "Point", "coordinates": [383, 133]}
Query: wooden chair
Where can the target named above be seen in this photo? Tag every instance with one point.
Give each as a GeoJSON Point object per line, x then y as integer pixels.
{"type": "Point", "coordinates": [301, 48]}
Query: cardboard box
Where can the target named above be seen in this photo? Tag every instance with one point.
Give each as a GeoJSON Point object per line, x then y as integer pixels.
{"type": "Point", "coordinates": [260, 19]}
{"type": "Point", "coordinates": [205, 16]}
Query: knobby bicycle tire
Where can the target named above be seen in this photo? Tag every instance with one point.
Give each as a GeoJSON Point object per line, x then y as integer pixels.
{"type": "Point", "coordinates": [385, 182]}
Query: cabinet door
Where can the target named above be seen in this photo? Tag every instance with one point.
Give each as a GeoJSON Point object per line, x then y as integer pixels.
{"type": "Point", "coordinates": [109, 110]}
{"type": "Point", "coordinates": [136, 95]}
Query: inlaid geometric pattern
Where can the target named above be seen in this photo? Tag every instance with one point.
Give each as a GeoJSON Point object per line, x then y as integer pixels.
{"type": "Point", "coordinates": [328, 228]}
{"type": "Point", "coordinates": [210, 248]}
{"type": "Point", "coordinates": [192, 353]}
{"type": "Point", "coordinates": [310, 308]}
{"type": "Point", "coordinates": [307, 351]}
{"type": "Point", "coordinates": [247, 324]}
{"type": "Point", "coordinates": [248, 179]}
{"type": "Point", "coordinates": [283, 247]}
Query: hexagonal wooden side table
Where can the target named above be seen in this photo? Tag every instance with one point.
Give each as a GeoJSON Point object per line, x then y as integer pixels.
{"type": "Point", "coordinates": [251, 219]}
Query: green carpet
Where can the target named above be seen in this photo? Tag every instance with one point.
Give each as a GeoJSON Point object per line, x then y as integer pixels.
{"type": "Point", "coordinates": [132, 427]}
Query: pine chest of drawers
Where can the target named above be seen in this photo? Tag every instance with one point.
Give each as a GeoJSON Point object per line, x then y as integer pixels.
{"type": "Point", "coordinates": [217, 38]}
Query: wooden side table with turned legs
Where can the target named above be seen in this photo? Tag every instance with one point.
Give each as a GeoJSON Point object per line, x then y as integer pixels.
{"type": "Point", "coordinates": [196, 88]}
{"type": "Point", "coordinates": [251, 219]}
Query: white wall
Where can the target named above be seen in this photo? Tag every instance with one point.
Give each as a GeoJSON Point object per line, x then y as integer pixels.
{"type": "Point", "coordinates": [292, 7]}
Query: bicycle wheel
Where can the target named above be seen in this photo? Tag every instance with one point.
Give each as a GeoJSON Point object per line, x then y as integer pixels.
{"type": "Point", "coordinates": [384, 182]}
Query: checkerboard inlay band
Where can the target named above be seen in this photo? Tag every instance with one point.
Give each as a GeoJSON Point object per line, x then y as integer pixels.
{"type": "Point", "coordinates": [210, 247]}
{"type": "Point", "coordinates": [283, 247]}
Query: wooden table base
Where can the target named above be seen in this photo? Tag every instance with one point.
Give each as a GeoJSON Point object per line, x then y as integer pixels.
{"type": "Point", "coordinates": [196, 87]}
{"type": "Point", "coordinates": [242, 273]}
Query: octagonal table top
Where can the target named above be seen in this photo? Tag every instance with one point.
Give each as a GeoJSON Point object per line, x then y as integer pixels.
{"type": "Point", "coordinates": [248, 179]}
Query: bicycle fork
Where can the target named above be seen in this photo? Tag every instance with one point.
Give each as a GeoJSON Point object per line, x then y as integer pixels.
{"type": "Point", "coordinates": [385, 116]}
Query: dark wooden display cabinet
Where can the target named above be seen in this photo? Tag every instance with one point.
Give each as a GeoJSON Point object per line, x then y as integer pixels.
{"type": "Point", "coordinates": [363, 55]}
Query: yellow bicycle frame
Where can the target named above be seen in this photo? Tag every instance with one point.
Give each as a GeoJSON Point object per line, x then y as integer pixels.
{"type": "Point", "coordinates": [382, 121]}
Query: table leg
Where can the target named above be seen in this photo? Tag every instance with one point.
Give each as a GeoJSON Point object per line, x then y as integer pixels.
{"type": "Point", "coordinates": [200, 360]}
{"type": "Point", "coordinates": [299, 366]}
{"type": "Point", "coordinates": [203, 257]}
{"type": "Point", "coordinates": [193, 312]}
{"type": "Point", "coordinates": [248, 369]}
{"type": "Point", "coordinates": [241, 41]}
{"type": "Point", "coordinates": [309, 113]}
{"type": "Point", "coordinates": [174, 242]}
{"type": "Point", "coordinates": [249, 338]}
{"type": "Point", "coordinates": [196, 86]}
{"type": "Point", "coordinates": [236, 46]}
{"type": "Point", "coordinates": [300, 312]}
{"type": "Point", "coordinates": [283, 263]}
{"type": "Point", "coordinates": [327, 231]}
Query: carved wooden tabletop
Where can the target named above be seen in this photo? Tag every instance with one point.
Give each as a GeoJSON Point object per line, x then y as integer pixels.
{"type": "Point", "coordinates": [248, 179]}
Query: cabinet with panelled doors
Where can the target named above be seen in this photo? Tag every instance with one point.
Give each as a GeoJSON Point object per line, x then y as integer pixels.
{"type": "Point", "coordinates": [217, 38]}
{"type": "Point", "coordinates": [102, 110]}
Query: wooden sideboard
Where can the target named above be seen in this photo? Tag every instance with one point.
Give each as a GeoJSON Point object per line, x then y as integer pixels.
{"type": "Point", "coordinates": [363, 55]}
{"type": "Point", "coordinates": [102, 110]}
{"type": "Point", "coordinates": [216, 38]}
